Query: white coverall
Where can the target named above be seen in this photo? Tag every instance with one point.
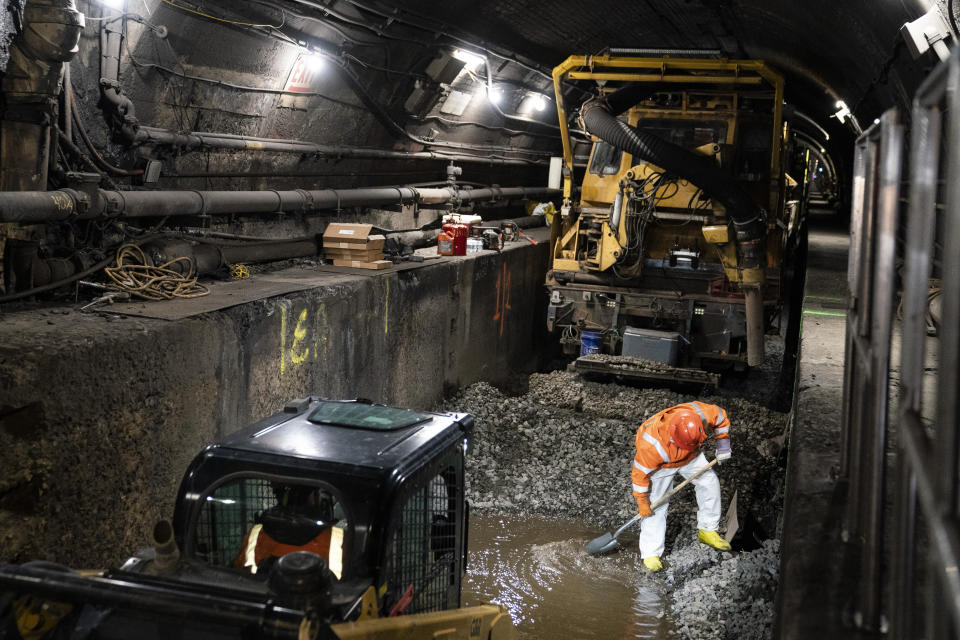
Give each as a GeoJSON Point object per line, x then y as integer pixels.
{"type": "Point", "coordinates": [653, 528]}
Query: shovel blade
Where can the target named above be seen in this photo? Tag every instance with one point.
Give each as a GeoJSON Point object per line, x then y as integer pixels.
{"type": "Point", "coordinates": [604, 544]}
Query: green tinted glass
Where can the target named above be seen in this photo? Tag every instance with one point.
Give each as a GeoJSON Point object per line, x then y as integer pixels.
{"type": "Point", "coordinates": [365, 416]}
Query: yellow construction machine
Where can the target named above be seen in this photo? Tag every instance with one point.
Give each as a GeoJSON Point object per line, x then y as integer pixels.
{"type": "Point", "coordinates": [673, 249]}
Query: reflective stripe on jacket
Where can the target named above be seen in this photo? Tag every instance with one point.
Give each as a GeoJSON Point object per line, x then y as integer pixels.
{"type": "Point", "coordinates": [655, 450]}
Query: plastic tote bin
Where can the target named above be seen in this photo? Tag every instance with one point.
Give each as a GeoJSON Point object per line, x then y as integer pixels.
{"type": "Point", "coordinates": [662, 346]}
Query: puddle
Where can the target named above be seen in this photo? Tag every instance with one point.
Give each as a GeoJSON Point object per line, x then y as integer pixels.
{"type": "Point", "coordinates": [538, 569]}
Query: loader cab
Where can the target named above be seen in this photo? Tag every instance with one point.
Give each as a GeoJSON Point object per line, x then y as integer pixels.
{"type": "Point", "coordinates": [376, 491]}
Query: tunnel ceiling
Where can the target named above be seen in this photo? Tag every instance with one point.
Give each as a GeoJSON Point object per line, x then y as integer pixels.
{"type": "Point", "coordinates": [827, 49]}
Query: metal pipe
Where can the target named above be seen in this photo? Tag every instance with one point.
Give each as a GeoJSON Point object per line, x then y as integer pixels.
{"type": "Point", "coordinates": [157, 596]}
{"type": "Point", "coordinates": [67, 102]}
{"type": "Point", "coordinates": [209, 258]}
{"type": "Point", "coordinates": [207, 140]}
{"type": "Point", "coordinates": [615, 216]}
{"type": "Point", "coordinates": [120, 108]}
{"type": "Point", "coordinates": [754, 308]}
{"type": "Point", "coordinates": [167, 554]}
{"type": "Point", "coordinates": [63, 204]}
{"type": "Point", "coordinates": [30, 85]}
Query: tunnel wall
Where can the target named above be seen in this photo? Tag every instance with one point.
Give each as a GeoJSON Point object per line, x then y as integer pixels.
{"type": "Point", "coordinates": [100, 415]}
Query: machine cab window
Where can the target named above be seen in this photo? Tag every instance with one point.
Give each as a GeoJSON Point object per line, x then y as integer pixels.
{"type": "Point", "coordinates": [248, 523]}
{"type": "Point", "coordinates": [606, 159]}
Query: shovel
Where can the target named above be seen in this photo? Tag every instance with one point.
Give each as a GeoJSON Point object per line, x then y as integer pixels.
{"type": "Point", "coordinates": [608, 542]}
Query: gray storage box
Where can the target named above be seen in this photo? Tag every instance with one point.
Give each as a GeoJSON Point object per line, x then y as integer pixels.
{"type": "Point", "coordinates": [662, 346]}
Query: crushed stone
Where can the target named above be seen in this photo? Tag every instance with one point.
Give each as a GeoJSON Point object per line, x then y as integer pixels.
{"type": "Point", "coordinates": [564, 449]}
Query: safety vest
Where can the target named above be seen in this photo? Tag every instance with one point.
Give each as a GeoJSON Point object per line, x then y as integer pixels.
{"type": "Point", "coordinates": [655, 449]}
{"type": "Point", "coordinates": [258, 546]}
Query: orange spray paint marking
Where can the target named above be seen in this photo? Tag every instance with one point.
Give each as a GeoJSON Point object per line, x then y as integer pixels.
{"type": "Point", "coordinates": [503, 297]}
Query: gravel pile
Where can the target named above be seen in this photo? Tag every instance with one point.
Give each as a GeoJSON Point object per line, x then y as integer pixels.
{"type": "Point", "coordinates": [564, 448]}
{"type": "Point", "coordinates": [724, 596]}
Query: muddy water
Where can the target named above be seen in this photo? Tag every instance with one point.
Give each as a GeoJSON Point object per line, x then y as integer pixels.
{"type": "Point", "coordinates": [538, 569]}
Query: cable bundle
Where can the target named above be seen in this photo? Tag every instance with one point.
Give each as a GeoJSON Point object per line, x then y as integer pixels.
{"type": "Point", "coordinates": [135, 275]}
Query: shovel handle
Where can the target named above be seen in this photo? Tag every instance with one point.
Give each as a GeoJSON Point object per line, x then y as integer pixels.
{"type": "Point", "coordinates": [667, 496]}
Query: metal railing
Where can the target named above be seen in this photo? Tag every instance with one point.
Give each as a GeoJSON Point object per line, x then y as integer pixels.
{"type": "Point", "coordinates": [872, 287]}
{"type": "Point", "coordinates": [914, 547]}
{"type": "Point", "coordinates": [929, 458]}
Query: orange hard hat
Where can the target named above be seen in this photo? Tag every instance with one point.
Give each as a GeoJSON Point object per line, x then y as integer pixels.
{"type": "Point", "coordinates": [686, 428]}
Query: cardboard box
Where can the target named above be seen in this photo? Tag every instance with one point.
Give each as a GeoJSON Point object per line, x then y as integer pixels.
{"type": "Point", "coordinates": [373, 242]}
{"type": "Point", "coordinates": [348, 233]}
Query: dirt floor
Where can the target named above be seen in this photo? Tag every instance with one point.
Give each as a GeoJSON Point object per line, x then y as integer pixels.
{"type": "Point", "coordinates": [563, 448]}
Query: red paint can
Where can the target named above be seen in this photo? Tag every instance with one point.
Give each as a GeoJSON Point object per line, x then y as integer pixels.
{"type": "Point", "coordinates": [459, 234]}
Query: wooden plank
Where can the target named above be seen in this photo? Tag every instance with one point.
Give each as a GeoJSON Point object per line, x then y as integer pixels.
{"type": "Point", "coordinates": [348, 254]}
{"type": "Point", "coordinates": [357, 264]}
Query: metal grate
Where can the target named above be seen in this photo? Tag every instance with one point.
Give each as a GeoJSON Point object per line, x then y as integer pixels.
{"type": "Point", "coordinates": [226, 517]}
{"type": "Point", "coordinates": [423, 561]}
{"type": "Point", "coordinates": [912, 545]}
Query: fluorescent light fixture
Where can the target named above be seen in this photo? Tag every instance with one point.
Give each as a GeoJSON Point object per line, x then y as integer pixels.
{"type": "Point", "coordinates": [470, 60]}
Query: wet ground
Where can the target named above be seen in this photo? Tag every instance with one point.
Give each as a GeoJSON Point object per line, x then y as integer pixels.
{"type": "Point", "coordinates": [549, 469]}
{"type": "Point", "coordinates": [538, 569]}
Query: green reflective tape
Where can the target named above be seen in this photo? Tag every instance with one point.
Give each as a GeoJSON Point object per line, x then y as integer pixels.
{"type": "Point", "coordinates": [828, 298]}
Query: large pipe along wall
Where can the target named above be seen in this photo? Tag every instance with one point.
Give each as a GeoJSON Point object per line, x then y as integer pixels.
{"type": "Point", "coordinates": [64, 204]}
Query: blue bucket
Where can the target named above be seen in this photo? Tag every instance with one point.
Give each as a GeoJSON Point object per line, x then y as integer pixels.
{"type": "Point", "coordinates": [590, 342]}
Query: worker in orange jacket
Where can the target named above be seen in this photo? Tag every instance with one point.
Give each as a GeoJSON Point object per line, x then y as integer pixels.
{"type": "Point", "coordinates": [666, 444]}
{"type": "Point", "coordinates": [301, 521]}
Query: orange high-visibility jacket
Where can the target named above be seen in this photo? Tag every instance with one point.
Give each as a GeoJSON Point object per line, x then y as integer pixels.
{"type": "Point", "coordinates": [655, 450]}
{"type": "Point", "coordinates": [258, 545]}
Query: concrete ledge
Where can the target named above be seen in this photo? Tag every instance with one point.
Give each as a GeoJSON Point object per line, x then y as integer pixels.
{"type": "Point", "coordinates": [82, 482]}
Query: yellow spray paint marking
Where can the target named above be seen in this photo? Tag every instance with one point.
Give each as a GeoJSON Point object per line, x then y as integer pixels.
{"type": "Point", "coordinates": [283, 339]}
{"type": "Point", "coordinates": [61, 202]}
{"type": "Point", "coordinates": [320, 332]}
{"type": "Point", "coordinates": [299, 333]}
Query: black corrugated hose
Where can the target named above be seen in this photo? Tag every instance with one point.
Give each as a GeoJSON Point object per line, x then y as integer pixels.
{"type": "Point", "coordinates": [748, 217]}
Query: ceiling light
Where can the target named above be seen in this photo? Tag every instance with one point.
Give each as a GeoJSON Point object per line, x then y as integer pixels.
{"type": "Point", "coordinates": [533, 102]}
{"type": "Point", "coordinates": [495, 95]}
{"type": "Point", "coordinates": [315, 61]}
{"type": "Point", "coordinates": [843, 111]}
{"type": "Point", "coordinates": [470, 60]}
{"type": "Point", "coordinates": [113, 4]}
